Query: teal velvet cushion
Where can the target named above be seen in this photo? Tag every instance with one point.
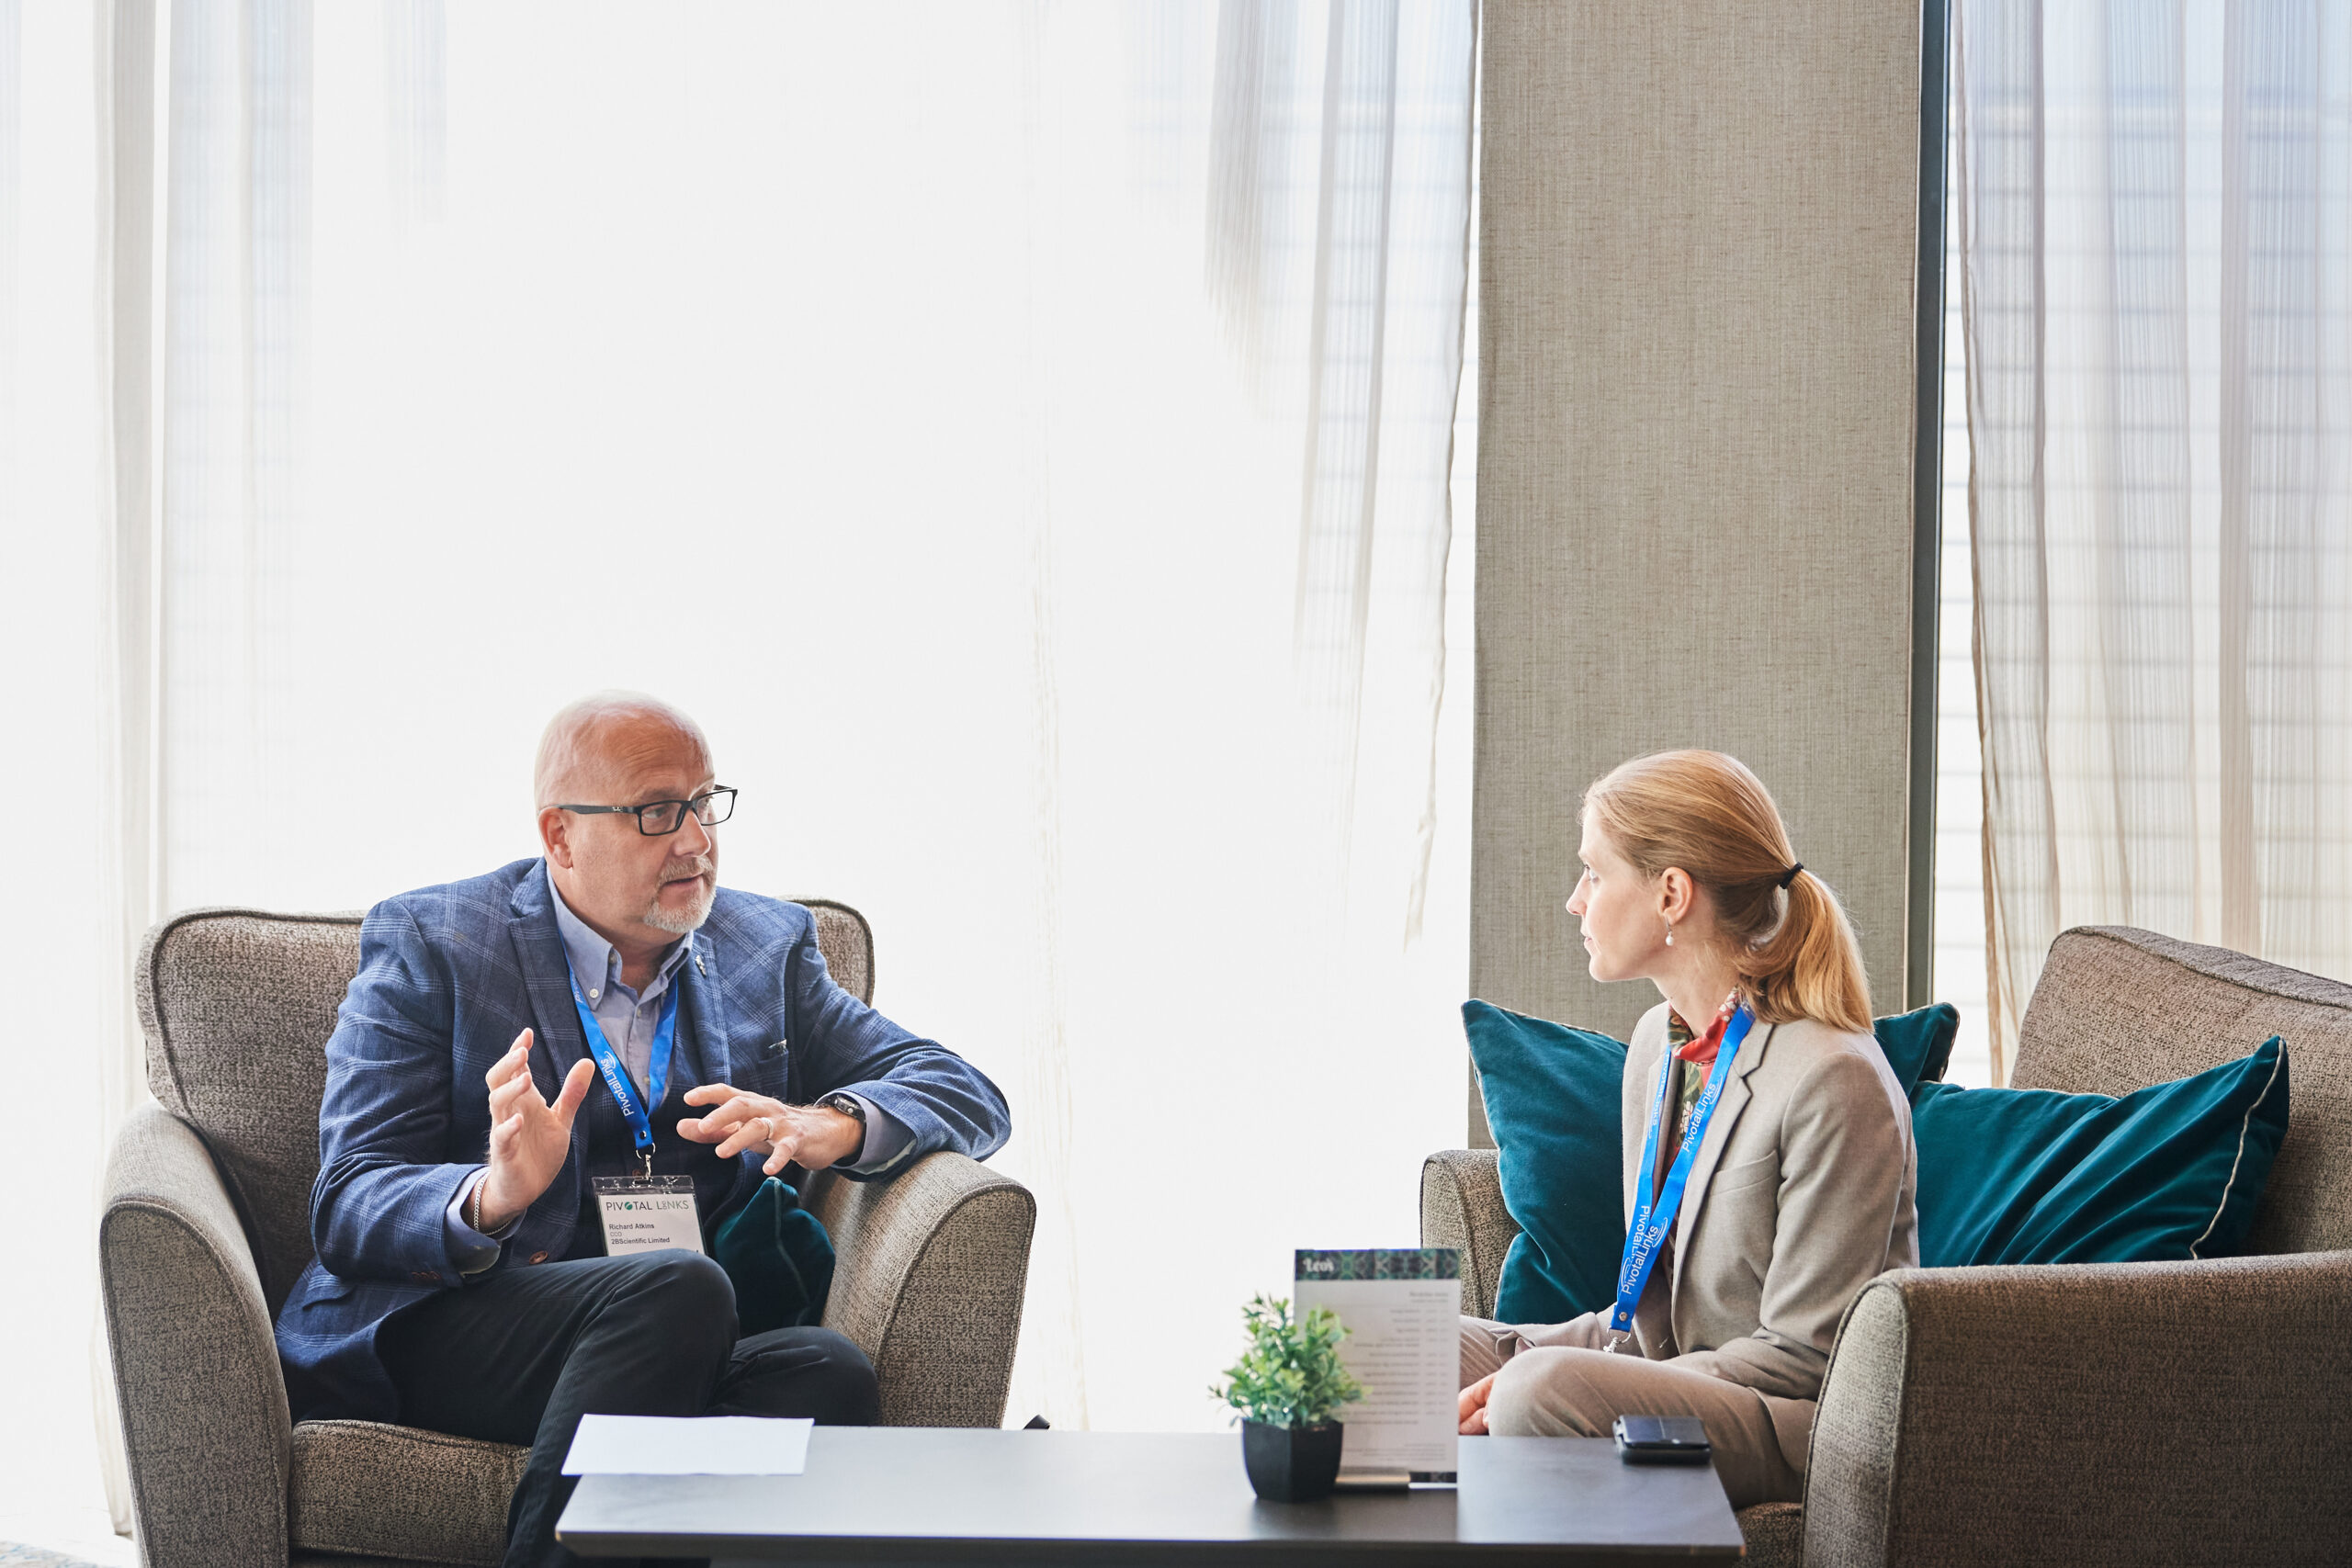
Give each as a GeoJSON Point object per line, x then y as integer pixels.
{"type": "Point", "coordinates": [1919, 1045]}
{"type": "Point", "coordinates": [1552, 1096]}
{"type": "Point", "coordinates": [2027, 1176]}
{"type": "Point", "coordinates": [779, 1259]}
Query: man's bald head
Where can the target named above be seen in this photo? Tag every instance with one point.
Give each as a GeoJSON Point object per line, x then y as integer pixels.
{"type": "Point", "coordinates": [640, 891]}
{"type": "Point", "coordinates": [604, 738]}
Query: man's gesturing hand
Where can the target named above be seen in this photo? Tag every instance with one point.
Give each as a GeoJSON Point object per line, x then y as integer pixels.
{"type": "Point", "coordinates": [528, 1137]}
{"type": "Point", "coordinates": [811, 1135]}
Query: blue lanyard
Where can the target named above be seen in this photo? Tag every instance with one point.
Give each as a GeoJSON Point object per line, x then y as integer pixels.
{"type": "Point", "coordinates": [616, 1079]}
{"type": "Point", "coordinates": [1653, 1218]}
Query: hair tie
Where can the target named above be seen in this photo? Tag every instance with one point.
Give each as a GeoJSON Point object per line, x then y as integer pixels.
{"type": "Point", "coordinates": [1789, 875]}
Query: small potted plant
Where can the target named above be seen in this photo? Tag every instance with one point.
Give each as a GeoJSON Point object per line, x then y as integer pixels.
{"type": "Point", "coordinates": [1287, 1386]}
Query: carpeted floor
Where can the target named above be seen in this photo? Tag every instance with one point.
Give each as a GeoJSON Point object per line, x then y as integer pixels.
{"type": "Point", "coordinates": [12, 1556]}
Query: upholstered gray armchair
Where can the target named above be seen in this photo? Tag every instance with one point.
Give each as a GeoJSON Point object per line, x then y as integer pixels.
{"type": "Point", "coordinates": [206, 1225]}
{"type": "Point", "coordinates": [2083, 1416]}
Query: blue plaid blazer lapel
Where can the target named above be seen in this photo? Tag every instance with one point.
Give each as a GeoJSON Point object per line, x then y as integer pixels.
{"type": "Point", "coordinates": [556, 1040]}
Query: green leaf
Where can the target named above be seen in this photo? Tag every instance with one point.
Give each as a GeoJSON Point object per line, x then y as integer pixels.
{"type": "Point", "coordinates": [1289, 1374]}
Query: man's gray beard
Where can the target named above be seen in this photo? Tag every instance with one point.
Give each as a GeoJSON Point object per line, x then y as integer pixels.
{"type": "Point", "coordinates": [679, 921]}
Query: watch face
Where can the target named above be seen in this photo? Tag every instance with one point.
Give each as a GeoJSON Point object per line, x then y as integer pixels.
{"type": "Point", "coordinates": [845, 1105]}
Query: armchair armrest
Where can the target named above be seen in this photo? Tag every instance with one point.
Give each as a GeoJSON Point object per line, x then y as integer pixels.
{"type": "Point", "coordinates": [2089, 1415]}
{"type": "Point", "coordinates": [931, 1267]}
{"type": "Point", "coordinates": [1461, 1206]}
{"type": "Point", "coordinates": [196, 1373]}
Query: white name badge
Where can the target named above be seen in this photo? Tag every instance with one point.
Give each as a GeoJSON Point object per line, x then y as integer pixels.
{"type": "Point", "coordinates": [646, 1213]}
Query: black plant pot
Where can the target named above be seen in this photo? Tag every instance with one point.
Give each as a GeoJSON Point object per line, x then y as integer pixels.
{"type": "Point", "coordinates": [1292, 1465]}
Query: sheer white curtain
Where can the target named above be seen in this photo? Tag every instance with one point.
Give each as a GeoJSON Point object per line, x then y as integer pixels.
{"type": "Point", "coordinates": [1020, 432]}
{"type": "Point", "coordinates": [61, 1055]}
{"type": "Point", "coordinates": [2156, 240]}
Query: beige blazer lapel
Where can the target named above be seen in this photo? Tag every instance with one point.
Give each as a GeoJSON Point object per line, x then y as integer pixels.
{"type": "Point", "coordinates": [1734, 1099]}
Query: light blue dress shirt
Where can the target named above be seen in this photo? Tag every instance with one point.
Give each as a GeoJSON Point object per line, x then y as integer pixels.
{"type": "Point", "coordinates": [630, 1020]}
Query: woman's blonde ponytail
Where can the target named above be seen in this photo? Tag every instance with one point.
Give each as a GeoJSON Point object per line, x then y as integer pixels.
{"type": "Point", "coordinates": [1811, 966]}
{"type": "Point", "coordinates": [1704, 812]}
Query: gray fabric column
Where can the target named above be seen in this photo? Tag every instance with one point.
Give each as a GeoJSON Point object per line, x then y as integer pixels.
{"type": "Point", "coordinates": [1698, 244]}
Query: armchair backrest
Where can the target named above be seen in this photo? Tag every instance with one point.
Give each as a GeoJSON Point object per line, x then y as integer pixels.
{"type": "Point", "coordinates": [2119, 1009]}
{"type": "Point", "coordinates": [237, 1005]}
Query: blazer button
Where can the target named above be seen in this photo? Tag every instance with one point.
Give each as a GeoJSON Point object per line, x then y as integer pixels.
{"type": "Point", "coordinates": [538, 1258]}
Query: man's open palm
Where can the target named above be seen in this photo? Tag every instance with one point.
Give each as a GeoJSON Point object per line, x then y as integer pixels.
{"type": "Point", "coordinates": [529, 1139]}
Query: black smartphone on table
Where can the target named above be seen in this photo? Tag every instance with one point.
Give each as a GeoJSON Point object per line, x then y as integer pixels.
{"type": "Point", "coordinates": [1662, 1439]}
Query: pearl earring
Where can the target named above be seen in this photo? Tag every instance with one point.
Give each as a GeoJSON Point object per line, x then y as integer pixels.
{"type": "Point", "coordinates": [1669, 933]}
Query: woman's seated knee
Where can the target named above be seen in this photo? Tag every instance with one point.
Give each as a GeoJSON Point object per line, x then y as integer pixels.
{"type": "Point", "coordinates": [1544, 1393]}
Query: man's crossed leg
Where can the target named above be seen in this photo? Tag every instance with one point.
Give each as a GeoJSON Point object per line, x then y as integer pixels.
{"type": "Point", "coordinates": [520, 1355]}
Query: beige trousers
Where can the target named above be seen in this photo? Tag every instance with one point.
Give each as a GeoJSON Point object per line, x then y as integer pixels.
{"type": "Point", "coordinates": [1555, 1381]}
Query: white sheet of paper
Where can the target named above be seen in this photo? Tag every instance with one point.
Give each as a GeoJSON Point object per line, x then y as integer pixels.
{"type": "Point", "coordinates": [689, 1445]}
{"type": "Point", "coordinates": [1404, 1345]}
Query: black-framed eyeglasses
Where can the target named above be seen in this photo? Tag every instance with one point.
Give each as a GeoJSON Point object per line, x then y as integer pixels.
{"type": "Point", "coordinates": [658, 819]}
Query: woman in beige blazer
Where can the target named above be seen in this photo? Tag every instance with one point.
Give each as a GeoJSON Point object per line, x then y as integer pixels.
{"type": "Point", "coordinates": [1799, 1188]}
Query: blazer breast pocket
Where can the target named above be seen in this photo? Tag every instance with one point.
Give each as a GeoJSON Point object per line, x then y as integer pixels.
{"type": "Point", "coordinates": [771, 1069]}
{"type": "Point", "coordinates": [1747, 1173]}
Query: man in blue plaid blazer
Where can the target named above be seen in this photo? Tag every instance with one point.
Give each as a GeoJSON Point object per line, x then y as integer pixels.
{"type": "Point", "coordinates": [462, 1282]}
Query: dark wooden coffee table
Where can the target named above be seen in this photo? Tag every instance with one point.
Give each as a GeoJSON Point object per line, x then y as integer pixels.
{"type": "Point", "coordinates": [910, 1495]}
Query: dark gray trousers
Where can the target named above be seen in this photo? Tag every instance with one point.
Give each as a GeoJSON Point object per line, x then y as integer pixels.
{"type": "Point", "coordinates": [520, 1355]}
